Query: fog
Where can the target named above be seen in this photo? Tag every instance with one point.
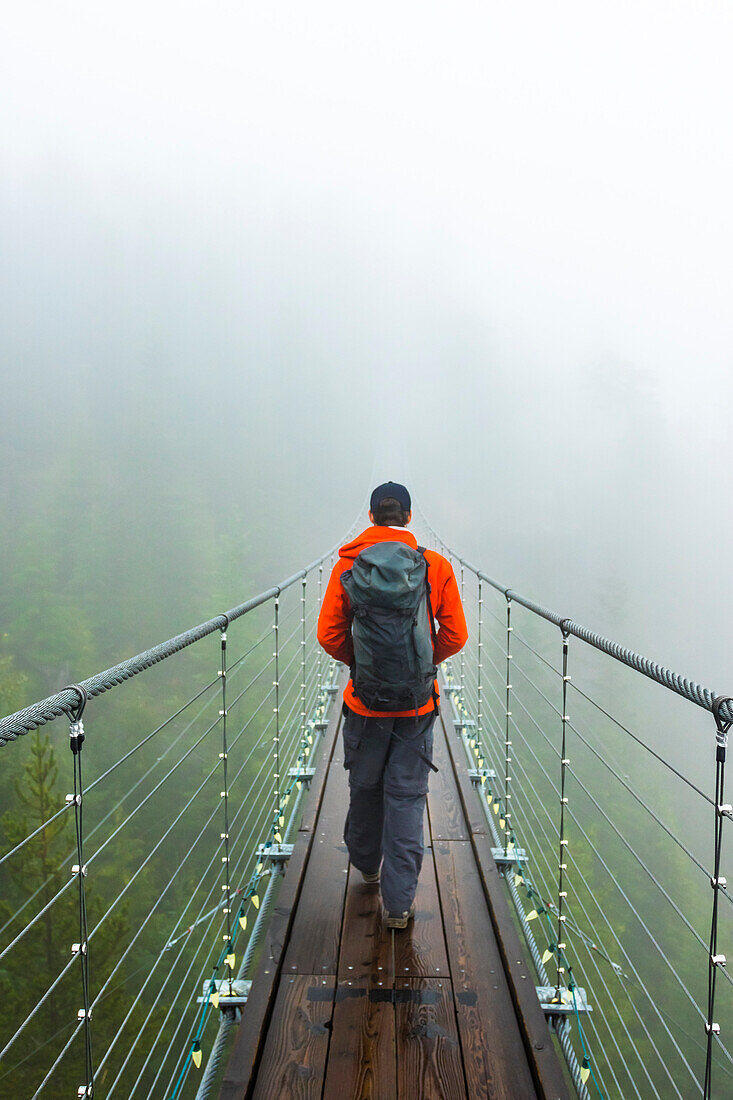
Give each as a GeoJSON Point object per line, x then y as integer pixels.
{"type": "Point", "coordinates": [254, 259]}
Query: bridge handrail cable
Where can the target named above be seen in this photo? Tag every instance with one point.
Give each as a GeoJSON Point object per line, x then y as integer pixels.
{"type": "Point", "coordinates": [688, 689]}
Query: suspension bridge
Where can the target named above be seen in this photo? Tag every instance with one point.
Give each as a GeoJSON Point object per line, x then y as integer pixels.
{"type": "Point", "coordinates": [179, 918]}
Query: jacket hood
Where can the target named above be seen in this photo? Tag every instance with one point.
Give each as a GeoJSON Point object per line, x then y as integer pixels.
{"type": "Point", "coordinates": [375, 534]}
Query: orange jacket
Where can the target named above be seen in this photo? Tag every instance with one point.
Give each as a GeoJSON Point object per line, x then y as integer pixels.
{"type": "Point", "coordinates": [334, 621]}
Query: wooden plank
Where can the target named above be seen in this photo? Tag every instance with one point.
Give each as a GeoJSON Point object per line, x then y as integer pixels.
{"type": "Point", "coordinates": [294, 1059]}
{"type": "Point", "coordinates": [447, 820]}
{"type": "Point", "coordinates": [543, 1060]}
{"type": "Point", "coordinates": [420, 949]}
{"type": "Point", "coordinates": [429, 1064]}
{"type": "Point", "coordinates": [312, 807]}
{"type": "Point", "coordinates": [366, 946]}
{"type": "Point", "coordinates": [321, 904]}
{"type": "Point", "coordinates": [469, 806]}
{"type": "Point", "coordinates": [243, 1060]}
{"type": "Point", "coordinates": [493, 1049]}
{"type": "Point", "coordinates": [361, 1058]}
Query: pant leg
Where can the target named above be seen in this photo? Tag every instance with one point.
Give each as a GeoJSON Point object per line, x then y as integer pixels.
{"type": "Point", "coordinates": [405, 789]}
{"type": "Point", "coordinates": [366, 747]}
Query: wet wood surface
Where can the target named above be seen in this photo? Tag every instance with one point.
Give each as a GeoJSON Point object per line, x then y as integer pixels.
{"type": "Point", "coordinates": [294, 1059]}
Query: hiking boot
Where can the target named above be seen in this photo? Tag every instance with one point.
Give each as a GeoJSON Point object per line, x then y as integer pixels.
{"type": "Point", "coordinates": [398, 920]}
{"type": "Point", "coordinates": [370, 879]}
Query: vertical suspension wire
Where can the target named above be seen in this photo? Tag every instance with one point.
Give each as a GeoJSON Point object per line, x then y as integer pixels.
{"type": "Point", "coordinates": [479, 670]}
{"type": "Point", "coordinates": [303, 712]}
{"type": "Point", "coordinates": [224, 757]}
{"type": "Point", "coordinates": [562, 865]}
{"type": "Point", "coordinates": [716, 960]}
{"type": "Point", "coordinates": [276, 709]}
{"type": "Point", "coordinates": [463, 657]}
{"type": "Point", "coordinates": [507, 730]}
{"type": "Point", "coordinates": [319, 658]}
{"type": "Point", "coordinates": [76, 740]}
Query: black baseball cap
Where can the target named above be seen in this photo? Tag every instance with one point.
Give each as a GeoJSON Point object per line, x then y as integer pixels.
{"type": "Point", "coordinates": [391, 489]}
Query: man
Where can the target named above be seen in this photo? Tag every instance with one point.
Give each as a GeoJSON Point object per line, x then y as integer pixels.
{"type": "Point", "coordinates": [388, 749]}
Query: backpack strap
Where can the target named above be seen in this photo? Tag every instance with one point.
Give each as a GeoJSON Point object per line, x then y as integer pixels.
{"type": "Point", "coordinates": [433, 631]}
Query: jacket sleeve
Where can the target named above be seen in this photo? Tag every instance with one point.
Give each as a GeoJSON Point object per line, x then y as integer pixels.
{"type": "Point", "coordinates": [334, 621]}
{"type": "Point", "coordinates": [453, 632]}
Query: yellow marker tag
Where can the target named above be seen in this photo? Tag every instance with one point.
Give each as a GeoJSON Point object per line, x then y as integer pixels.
{"type": "Point", "coordinates": [310, 738]}
{"type": "Point", "coordinates": [298, 784]}
{"type": "Point", "coordinates": [496, 807]}
{"type": "Point", "coordinates": [278, 838]}
{"type": "Point", "coordinates": [472, 742]}
{"type": "Point", "coordinates": [286, 800]}
{"type": "Point", "coordinates": [510, 846]}
{"type": "Point", "coordinates": [243, 923]}
{"type": "Point", "coordinates": [532, 915]}
{"type": "Point", "coordinates": [585, 1074]}
{"type": "Point", "coordinates": [483, 778]}
{"type": "Point", "coordinates": [502, 822]}
{"type": "Point", "coordinates": [214, 998]}
{"type": "Point", "coordinates": [259, 868]}
{"type": "Point", "coordinates": [475, 750]}
{"type": "Point", "coordinates": [230, 960]}
{"type": "Point", "coordinates": [481, 764]}
{"type": "Point", "coordinates": [547, 955]}
{"type": "Point", "coordinates": [255, 901]}
{"type": "Point", "coordinates": [281, 820]}
{"type": "Point", "coordinates": [196, 1057]}
{"type": "Point", "coordinates": [518, 880]}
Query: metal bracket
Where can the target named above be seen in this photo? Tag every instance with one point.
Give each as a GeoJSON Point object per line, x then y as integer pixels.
{"type": "Point", "coordinates": [320, 726]}
{"type": "Point", "coordinates": [477, 775]}
{"type": "Point", "coordinates": [464, 723]}
{"type": "Point", "coordinates": [237, 998]}
{"type": "Point", "coordinates": [331, 689]}
{"type": "Point", "coordinates": [276, 853]}
{"type": "Point", "coordinates": [506, 859]}
{"type": "Point", "coordinates": [303, 774]}
{"type": "Point", "coordinates": [564, 1007]}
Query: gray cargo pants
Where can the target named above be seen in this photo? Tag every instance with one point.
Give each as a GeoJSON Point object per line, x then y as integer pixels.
{"type": "Point", "coordinates": [388, 783]}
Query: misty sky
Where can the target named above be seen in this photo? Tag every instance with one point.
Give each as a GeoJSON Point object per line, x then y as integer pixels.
{"type": "Point", "coordinates": [483, 247]}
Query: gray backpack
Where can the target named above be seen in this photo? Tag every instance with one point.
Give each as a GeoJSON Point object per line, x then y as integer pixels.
{"type": "Point", "coordinates": [392, 627]}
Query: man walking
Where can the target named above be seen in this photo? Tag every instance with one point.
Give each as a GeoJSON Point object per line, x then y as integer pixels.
{"type": "Point", "coordinates": [379, 615]}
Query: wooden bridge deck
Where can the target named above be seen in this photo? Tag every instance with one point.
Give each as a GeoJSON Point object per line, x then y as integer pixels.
{"type": "Point", "coordinates": [340, 1009]}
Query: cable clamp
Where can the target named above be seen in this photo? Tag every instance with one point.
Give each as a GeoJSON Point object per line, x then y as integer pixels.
{"type": "Point", "coordinates": [719, 883]}
{"type": "Point", "coordinates": [82, 1014]}
{"type": "Point", "coordinates": [72, 799]}
{"type": "Point", "coordinates": [85, 1090]}
{"type": "Point", "coordinates": [76, 727]}
{"type": "Point", "coordinates": [76, 869]}
{"type": "Point", "coordinates": [725, 810]}
{"type": "Point", "coordinates": [76, 948]}
{"type": "Point", "coordinates": [718, 960]}
{"type": "Point", "coordinates": [713, 1029]}
{"type": "Point", "coordinates": [722, 724]}
{"type": "Point", "coordinates": [564, 625]}
{"type": "Point", "coordinates": [76, 736]}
